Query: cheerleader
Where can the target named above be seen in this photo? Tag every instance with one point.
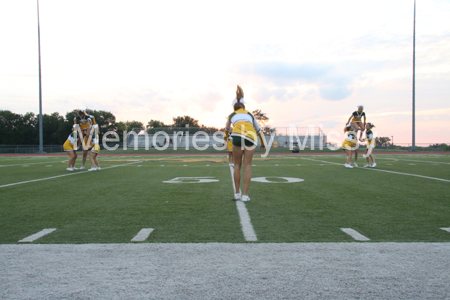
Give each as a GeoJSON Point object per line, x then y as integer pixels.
{"type": "Point", "coordinates": [244, 140]}
{"type": "Point", "coordinates": [71, 146]}
{"type": "Point", "coordinates": [370, 146]}
{"type": "Point", "coordinates": [350, 143]}
{"type": "Point", "coordinates": [230, 151]}
{"type": "Point", "coordinates": [94, 151]}
{"type": "Point", "coordinates": [85, 122]}
{"type": "Point", "coordinates": [355, 120]}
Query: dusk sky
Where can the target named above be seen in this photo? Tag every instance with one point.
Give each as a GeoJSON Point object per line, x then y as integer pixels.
{"type": "Point", "coordinates": [301, 62]}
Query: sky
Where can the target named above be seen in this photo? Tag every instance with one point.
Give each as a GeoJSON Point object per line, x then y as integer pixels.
{"type": "Point", "coordinates": [304, 63]}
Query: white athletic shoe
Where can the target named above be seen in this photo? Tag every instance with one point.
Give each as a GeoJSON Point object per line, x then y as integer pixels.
{"type": "Point", "coordinates": [69, 169]}
{"type": "Point", "coordinates": [98, 168]}
{"type": "Point", "coordinates": [82, 168]}
{"type": "Point", "coordinates": [366, 166]}
{"type": "Point", "coordinates": [374, 165]}
{"type": "Point", "coordinates": [348, 166]}
{"type": "Point", "coordinates": [75, 168]}
{"type": "Point", "coordinates": [237, 197]}
{"type": "Point", "coordinates": [92, 169]}
{"type": "Point", "coordinates": [245, 198]}
{"type": "Point", "coordinates": [356, 165]}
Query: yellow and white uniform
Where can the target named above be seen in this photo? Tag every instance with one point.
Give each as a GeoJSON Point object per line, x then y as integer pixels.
{"type": "Point", "coordinates": [350, 141]}
{"type": "Point", "coordinates": [71, 143]}
{"type": "Point", "coordinates": [244, 126]}
{"type": "Point", "coordinates": [370, 139]}
{"type": "Point", "coordinates": [356, 116]}
{"type": "Point", "coordinates": [85, 121]}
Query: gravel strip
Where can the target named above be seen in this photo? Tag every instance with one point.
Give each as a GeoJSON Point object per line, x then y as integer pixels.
{"type": "Point", "coordinates": [226, 271]}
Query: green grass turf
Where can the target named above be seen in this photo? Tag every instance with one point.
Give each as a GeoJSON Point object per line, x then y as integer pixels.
{"type": "Point", "coordinates": [112, 205]}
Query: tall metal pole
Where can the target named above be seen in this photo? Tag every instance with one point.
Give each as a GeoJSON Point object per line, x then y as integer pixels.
{"type": "Point", "coordinates": [41, 131]}
{"type": "Point", "coordinates": [414, 84]}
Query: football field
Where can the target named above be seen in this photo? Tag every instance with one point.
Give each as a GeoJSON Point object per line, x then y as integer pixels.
{"type": "Point", "coordinates": [187, 199]}
{"type": "Point", "coordinates": [165, 227]}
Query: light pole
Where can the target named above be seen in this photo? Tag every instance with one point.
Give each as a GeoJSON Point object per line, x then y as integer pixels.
{"type": "Point", "coordinates": [41, 139]}
{"type": "Point", "coordinates": [392, 140]}
{"type": "Point", "coordinates": [414, 84]}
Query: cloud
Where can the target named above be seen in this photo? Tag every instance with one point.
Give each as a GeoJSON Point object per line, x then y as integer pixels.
{"type": "Point", "coordinates": [209, 99]}
{"type": "Point", "coordinates": [264, 94]}
{"type": "Point", "coordinates": [332, 84]}
{"type": "Point", "coordinates": [335, 92]}
{"type": "Point", "coordinates": [283, 73]}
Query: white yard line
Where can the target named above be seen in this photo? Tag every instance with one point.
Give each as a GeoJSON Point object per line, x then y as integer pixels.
{"type": "Point", "coordinates": [36, 236]}
{"type": "Point", "coordinates": [446, 229]}
{"type": "Point", "coordinates": [355, 234]}
{"type": "Point", "coordinates": [142, 235]}
{"type": "Point", "coordinates": [380, 170]}
{"type": "Point", "coordinates": [45, 162]}
{"type": "Point", "coordinates": [423, 161]}
{"type": "Point", "coordinates": [69, 174]}
{"type": "Point", "coordinates": [246, 224]}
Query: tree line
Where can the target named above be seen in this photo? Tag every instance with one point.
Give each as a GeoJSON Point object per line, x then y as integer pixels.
{"type": "Point", "coordinates": [17, 129]}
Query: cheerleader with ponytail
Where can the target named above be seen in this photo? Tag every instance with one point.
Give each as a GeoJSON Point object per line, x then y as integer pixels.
{"type": "Point", "coordinates": [245, 138]}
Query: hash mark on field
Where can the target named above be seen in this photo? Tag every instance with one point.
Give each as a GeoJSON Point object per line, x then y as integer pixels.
{"type": "Point", "coordinates": [446, 229]}
{"type": "Point", "coordinates": [142, 235]}
{"type": "Point", "coordinates": [355, 234]}
{"type": "Point", "coordinates": [48, 166]}
{"type": "Point", "coordinates": [36, 236]}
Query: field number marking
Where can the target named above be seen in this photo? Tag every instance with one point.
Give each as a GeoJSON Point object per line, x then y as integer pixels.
{"type": "Point", "coordinates": [191, 180]}
{"type": "Point", "coordinates": [142, 235]}
{"type": "Point", "coordinates": [446, 229]}
{"type": "Point", "coordinates": [273, 179]}
{"type": "Point", "coordinates": [36, 236]}
{"type": "Point", "coordinates": [355, 234]}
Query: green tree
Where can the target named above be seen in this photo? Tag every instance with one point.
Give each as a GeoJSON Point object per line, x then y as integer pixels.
{"type": "Point", "coordinates": [382, 140]}
{"type": "Point", "coordinates": [130, 125]}
{"type": "Point", "coordinates": [182, 121]}
{"type": "Point", "coordinates": [55, 129]}
{"type": "Point", "coordinates": [263, 119]}
{"type": "Point", "coordinates": [156, 124]}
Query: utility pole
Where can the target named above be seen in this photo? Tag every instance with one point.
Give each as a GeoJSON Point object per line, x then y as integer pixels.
{"type": "Point", "coordinates": [41, 131]}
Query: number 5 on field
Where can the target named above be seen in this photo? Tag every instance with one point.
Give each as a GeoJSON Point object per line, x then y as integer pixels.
{"type": "Point", "coordinates": [191, 180]}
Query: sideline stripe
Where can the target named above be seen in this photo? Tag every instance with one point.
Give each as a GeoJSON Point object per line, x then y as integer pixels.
{"type": "Point", "coordinates": [27, 164]}
{"type": "Point", "coordinates": [246, 224]}
{"type": "Point", "coordinates": [380, 170]}
{"type": "Point", "coordinates": [34, 180]}
{"type": "Point", "coordinates": [36, 236]}
{"type": "Point", "coordinates": [355, 234]}
{"type": "Point", "coordinates": [142, 235]}
{"type": "Point", "coordinates": [446, 229]}
{"type": "Point", "coordinates": [424, 161]}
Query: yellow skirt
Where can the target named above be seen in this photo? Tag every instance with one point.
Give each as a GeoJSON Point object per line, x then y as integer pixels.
{"type": "Point", "coordinates": [348, 145]}
{"type": "Point", "coordinates": [68, 146]}
{"type": "Point", "coordinates": [96, 148]}
{"type": "Point", "coordinates": [369, 144]}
